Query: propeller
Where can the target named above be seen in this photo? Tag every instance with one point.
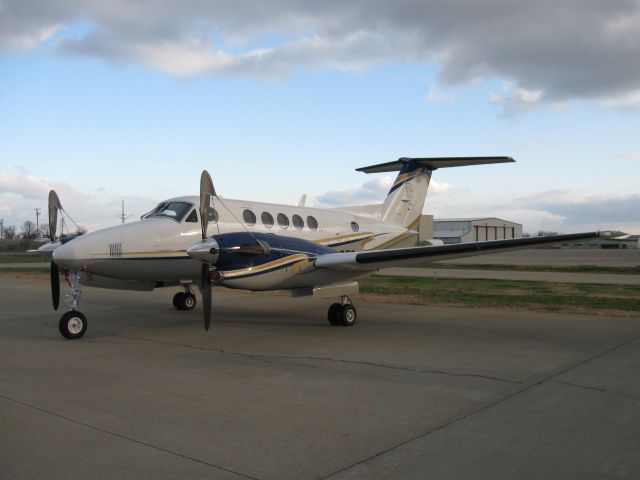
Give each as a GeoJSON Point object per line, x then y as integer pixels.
{"type": "Point", "coordinates": [54, 206]}
{"type": "Point", "coordinates": [206, 191]}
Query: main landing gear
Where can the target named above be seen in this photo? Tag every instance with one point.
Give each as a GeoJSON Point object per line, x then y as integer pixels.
{"type": "Point", "coordinates": [184, 300]}
{"type": "Point", "coordinates": [343, 313]}
{"type": "Point", "coordinates": [73, 324]}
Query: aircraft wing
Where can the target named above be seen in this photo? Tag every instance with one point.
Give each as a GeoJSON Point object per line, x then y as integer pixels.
{"type": "Point", "coordinates": [375, 259]}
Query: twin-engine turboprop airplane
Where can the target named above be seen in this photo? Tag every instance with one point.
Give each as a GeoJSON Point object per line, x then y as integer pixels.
{"type": "Point", "coordinates": [209, 241]}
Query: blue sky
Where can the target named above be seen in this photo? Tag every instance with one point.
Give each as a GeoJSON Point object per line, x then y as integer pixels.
{"type": "Point", "coordinates": [104, 104]}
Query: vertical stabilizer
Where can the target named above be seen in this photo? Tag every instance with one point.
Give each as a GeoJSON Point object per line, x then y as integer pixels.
{"type": "Point", "coordinates": [405, 200]}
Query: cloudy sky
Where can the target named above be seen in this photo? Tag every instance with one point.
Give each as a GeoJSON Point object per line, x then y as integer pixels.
{"type": "Point", "coordinates": [105, 101]}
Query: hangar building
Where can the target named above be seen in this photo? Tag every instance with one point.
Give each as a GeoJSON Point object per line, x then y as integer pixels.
{"type": "Point", "coordinates": [462, 230]}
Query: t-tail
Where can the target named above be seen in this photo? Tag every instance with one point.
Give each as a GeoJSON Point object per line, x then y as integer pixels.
{"type": "Point", "coordinates": [405, 200]}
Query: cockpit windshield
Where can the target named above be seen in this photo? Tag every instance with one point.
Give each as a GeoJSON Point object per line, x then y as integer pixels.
{"type": "Point", "coordinates": [175, 210]}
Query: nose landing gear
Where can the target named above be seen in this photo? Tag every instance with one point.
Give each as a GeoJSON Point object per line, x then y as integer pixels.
{"type": "Point", "coordinates": [343, 313]}
{"type": "Point", "coordinates": [73, 324]}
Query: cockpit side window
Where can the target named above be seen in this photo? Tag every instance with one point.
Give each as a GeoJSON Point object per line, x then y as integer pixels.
{"type": "Point", "coordinates": [193, 217]}
{"type": "Point", "coordinates": [174, 210]}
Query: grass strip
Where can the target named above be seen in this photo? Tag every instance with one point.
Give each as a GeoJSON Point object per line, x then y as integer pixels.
{"type": "Point", "coordinates": [631, 270]}
{"type": "Point", "coordinates": [22, 258]}
{"type": "Point", "coordinates": [24, 270]}
{"type": "Point", "coordinates": [546, 296]}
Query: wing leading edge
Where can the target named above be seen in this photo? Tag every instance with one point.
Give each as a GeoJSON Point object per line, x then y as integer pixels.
{"type": "Point", "coordinates": [375, 259]}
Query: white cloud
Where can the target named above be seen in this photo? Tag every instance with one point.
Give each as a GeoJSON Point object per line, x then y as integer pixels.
{"type": "Point", "coordinates": [562, 210]}
{"type": "Point", "coordinates": [372, 191]}
{"type": "Point", "coordinates": [628, 156]}
{"type": "Point", "coordinates": [27, 186]}
{"type": "Point", "coordinates": [437, 95]}
{"type": "Point", "coordinates": [20, 194]}
{"type": "Point", "coordinates": [540, 48]}
{"type": "Point", "coordinates": [623, 100]}
{"type": "Point", "coordinates": [28, 40]}
{"type": "Point", "coordinates": [515, 100]}
{"type": "Point", "coordinates": [439, 188]}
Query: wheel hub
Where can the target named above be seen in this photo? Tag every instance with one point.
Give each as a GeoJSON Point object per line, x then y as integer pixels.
{"type": "Point", "coordinates": [75, 325]}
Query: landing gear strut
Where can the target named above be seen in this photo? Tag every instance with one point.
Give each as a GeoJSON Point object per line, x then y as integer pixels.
{"type": "Point", "coordinates": [73, 324]}
{"type": "Point", "coordinates": [343, 313]}
{"type": "Point", "coordinates": [184, 300]}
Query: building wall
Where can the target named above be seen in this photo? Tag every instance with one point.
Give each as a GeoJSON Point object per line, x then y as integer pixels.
{"type": "Point", "coordinates": [464, 230]}
{"type": "Point", "coordinates": [425, 229]}
{"type": "Point", "coordinates": [492, 229]}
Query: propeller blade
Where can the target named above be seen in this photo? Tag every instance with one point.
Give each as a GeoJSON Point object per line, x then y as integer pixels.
{"type": "Point", "coordinates": [206, 250]}
{"type": "Point", "coordinates": [206, 291]}
{"type": "Point", "coordinates": [206, 191]}
{"type": "Point", "coordinates": [54, 206]}
{"type": "Point", "coordinates": [55, 285]}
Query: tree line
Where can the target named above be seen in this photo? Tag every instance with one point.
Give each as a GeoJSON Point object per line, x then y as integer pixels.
{"type": "Point", "coordinates": [29, 231]}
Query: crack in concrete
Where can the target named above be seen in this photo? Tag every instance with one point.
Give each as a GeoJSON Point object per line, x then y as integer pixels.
{"type": "Point", "coordinates": [270, 359]}
{"type": "Point", "coordinates": [374, 364]}
{"type": "Point", "coordinates": [601, 390]}
{"type": "Point", "coordinates": [459, 418]}
{"type": "Point", "coordinates": [124, 437]}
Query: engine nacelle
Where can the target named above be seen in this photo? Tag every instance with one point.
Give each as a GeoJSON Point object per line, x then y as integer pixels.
{"type": "Point", "coordinates": [229, 251]}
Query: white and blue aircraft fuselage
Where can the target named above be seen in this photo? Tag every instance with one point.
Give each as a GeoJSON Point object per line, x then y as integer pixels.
{"type": "Point", "coordinates": [207, 240]}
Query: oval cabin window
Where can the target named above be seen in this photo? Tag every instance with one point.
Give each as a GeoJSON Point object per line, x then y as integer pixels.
{"type": "Point", "coordinates": [249, 217]}
{"type": "Point", "coordinates": [298, 222]}
{"type": "Point", "coordinates": [283, 220]}
{"type": "Point", "coordinates": [312, 223]}
{"type": "Point", "coordinates": [355, 227]}
{"type": "Point", "coordinates": [267, 219]}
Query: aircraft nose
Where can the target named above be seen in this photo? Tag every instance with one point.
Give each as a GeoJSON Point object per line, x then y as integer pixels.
{"type": "Point", "coordinates": [69, 255]}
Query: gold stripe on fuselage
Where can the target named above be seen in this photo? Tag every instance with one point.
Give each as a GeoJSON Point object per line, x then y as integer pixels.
{"type": "Point", "coordinates": [364, 235]}
{"type": "Point", "coordinates": [266, 266]}
{"type": "Point", "coordinates": [157, 252]}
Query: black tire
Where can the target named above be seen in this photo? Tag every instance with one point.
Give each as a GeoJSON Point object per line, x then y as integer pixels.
{"type": "Point", "coordinates": [176, 300]}
{"type": "Point", "coordinates": [187, 301]}
{"type": "Point", "coordinates": [348, 315]}
{"type": "Point", "coordinates": [72, 325]}
{"type": "Point", "coordinates": [334, 314]}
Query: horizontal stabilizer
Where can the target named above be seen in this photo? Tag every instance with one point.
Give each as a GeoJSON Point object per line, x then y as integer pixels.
{"type": "Point", "coordinates": [432, 163]}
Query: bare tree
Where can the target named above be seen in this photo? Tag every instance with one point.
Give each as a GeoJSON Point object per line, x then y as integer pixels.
{"type": "Point", "coordinates": [28, 230]}
{"type": "Point", "coordinates": [44, 231]}
{"type": "Point", "coordinates": [10, 232]}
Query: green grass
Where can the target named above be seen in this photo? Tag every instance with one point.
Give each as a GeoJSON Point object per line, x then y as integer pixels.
{"type": "Point", "coordinates": [559, 297]}
{"type": "Point", "coordinates": [22, 258]}
{"type": "Point", "coordinates": [9, 270]}
{"type": "Point", "coordinates": [631, 270]}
